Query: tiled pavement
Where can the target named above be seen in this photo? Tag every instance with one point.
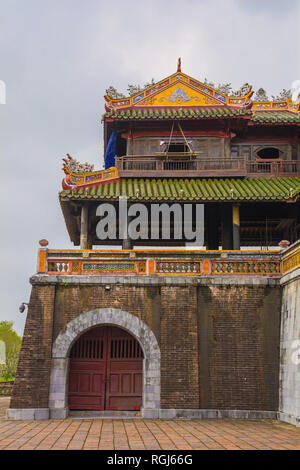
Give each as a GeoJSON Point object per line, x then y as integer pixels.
{"type": "Point", "coordinates": [139, 434]}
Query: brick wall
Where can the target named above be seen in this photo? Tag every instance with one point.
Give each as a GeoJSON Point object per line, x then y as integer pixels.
{"type": "Point", "coordinates": [71, 301]}
{"type": "Point", "coordinates": [239, 347]}
{"type": "Point", "coordinates": [219, 345]}
{"type": "Point", "coordinates": [179, 348]}
{"type": "Point", "coordinates": [31, 389]}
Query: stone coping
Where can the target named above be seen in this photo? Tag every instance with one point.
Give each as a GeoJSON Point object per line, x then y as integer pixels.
{"type": "Point", "coordinates": [155, 280]}
{"type": "Point", "coordinates": [290, 277]}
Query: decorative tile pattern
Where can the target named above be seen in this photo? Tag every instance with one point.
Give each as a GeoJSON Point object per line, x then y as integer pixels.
{"type": "Point", "coordinates": [291, 262]}
{"type": "Point", "coordinates": [108, 267]}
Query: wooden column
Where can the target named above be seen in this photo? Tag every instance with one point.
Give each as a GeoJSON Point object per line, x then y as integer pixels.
{"type": "Point", "coordinates": [236, 226]}
{"type": "Point", "coordinates": [227, 149]}
{"type": "Point", "coordinates": [84, 222]}
{"type": "Point", "coordinates": [129, 146]}
{"type": "Point", "coordinates": [226, 210]}
{"type": "Point", "coordinates": [212, 224]}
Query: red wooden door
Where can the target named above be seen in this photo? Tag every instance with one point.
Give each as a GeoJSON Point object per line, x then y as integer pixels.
{"type": "Point", "coordinates": [106, 371]}
{"type": "Point", "coordinates": [87, 371]}
{"type": "Point", "coordinates": [124, 372]}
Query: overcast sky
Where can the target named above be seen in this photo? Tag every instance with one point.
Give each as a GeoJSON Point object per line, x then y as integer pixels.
{"type": "Point", "coordinates": [57, 57]}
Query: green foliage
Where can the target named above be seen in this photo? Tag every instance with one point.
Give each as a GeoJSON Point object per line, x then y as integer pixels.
{"type": "Point", "coordinates": [13, 345]}
{"type": "Point", "coordinates": [3, 379]}
{"type": "Point", "coordinates": [6, 376]}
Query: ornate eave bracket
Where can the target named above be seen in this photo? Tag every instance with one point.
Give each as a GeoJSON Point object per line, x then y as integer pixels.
{"type": "Point", "coordinates": [80, 175]}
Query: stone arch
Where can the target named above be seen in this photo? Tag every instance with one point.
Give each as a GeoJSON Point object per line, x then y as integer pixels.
{"type": "Point", "coordinates": [82, 323]}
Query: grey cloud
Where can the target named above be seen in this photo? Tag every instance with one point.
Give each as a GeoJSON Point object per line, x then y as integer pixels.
{"type": "Point", "coordinates": [57, 59]}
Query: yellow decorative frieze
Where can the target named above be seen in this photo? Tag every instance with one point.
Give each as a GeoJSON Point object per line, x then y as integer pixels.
{"type": "Point", "coordinates": [291, 262]}
{"type": "Point", "coordinates": [181, 94]}
{"type": "Point", "coordinates": [180, 90]}
{"type": "Point", "coordinates": [278, 105]}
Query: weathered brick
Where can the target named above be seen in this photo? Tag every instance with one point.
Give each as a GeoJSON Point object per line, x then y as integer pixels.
{"type": "Point", "coordinates": [219, 344]}
{"type": "Point", "coordinates": [31, 387]}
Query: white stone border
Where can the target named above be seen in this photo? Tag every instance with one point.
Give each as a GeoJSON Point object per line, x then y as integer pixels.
{"type": "Point", "coordinates": [22, 414]}
{"type": "Point", "coordinates": [170, 413]}
{"type": "Point", "coordinates": [289, 418]}
{"type": "Point", "coordinates": [58, 404]}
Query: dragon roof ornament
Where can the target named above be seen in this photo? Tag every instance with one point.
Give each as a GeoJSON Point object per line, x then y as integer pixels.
{"type": "Point", "coordinates": [70, 164]}
{"type": "Point", "coordinates": [82, 175]}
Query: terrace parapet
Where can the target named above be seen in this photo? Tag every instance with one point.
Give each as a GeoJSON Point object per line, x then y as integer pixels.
{"type": "Point", "coordinates": [159, 262]}
{"type": "Point", "coordinates": [291, 258]}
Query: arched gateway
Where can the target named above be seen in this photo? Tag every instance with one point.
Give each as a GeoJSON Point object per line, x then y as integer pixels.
{"type": "Point", "coordinates": [105, 371]}
{"type": "Point", "coordinates": [114, 364]}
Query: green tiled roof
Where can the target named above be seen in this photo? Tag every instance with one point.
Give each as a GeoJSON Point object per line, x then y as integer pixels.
{"type": "Point", "coordinates": [192, 189]}
{"type": "Point", "coordinates": [204, 113]}
{"type": "Point", "coordinates": [275, 116]}
{"type": "Point", "coordinates": [180, 113]}
{"type": "Point", "coordinates": [296, 193]}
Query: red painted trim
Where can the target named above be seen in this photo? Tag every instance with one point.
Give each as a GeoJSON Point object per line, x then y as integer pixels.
{"type": "Point", "coordinates": [266, 138]}
{"type": "Point", "coordinates": [166, 133]}
{"type": "Point", "coordinates": [272, 124]}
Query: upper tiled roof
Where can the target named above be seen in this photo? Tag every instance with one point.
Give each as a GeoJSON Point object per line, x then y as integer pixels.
{"type": "Point", "coordinates": [204, 113]}
{"type": "Point", "coordinates": [180, 96]}
{"type": "Point", "coordinates": [192, 189]}
{"type": "Point", "coordinates": [275, 116]}
{"type": "Point", "coordinates": [176, 113]}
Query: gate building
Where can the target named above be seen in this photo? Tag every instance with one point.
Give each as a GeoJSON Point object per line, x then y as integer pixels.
{"type": "Point", "coordinates": [167, 326]}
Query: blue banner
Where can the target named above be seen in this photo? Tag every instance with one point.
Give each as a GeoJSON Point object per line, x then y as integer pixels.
{"type": "Point", "coordinates": [111, 151]}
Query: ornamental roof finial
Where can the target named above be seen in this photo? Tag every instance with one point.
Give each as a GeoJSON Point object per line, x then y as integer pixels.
{"type": "Point", "coordinates": [179, 65]}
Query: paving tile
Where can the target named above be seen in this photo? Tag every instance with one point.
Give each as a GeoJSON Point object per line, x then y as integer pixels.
{"type": "Point", "coordinates": [152, 434]}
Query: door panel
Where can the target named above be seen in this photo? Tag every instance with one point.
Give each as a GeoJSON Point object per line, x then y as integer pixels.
{"type": "Point", "coordinates": [124, 362]}
{"type": "Point", "coordinates": [106, 366]}
{"type": "Point", "coordinates": [87, 372]}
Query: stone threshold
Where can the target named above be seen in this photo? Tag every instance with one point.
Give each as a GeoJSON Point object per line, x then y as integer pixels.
{"type": "Point", "coordinates": [216, 414]}
{"type": "Point", "coordinates": [44, 413]}
{"type": "Point", "coordinates": [103, 414]}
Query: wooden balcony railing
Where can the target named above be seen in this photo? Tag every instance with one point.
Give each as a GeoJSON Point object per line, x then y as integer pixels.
{"type": "Point", "coordinates": [64, 263]}
{"type": "Point", "coordinates": [274, 167]}
{"type": "Point", "coordinates": [162, 166]}
{"type": "Point", "coordinates": [166, 166]}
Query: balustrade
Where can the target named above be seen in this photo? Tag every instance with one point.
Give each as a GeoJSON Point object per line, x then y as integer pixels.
{"type": "Point", "coordinates": [195, 165]}
{"type": "Point", "coordinates": [164, 262]}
